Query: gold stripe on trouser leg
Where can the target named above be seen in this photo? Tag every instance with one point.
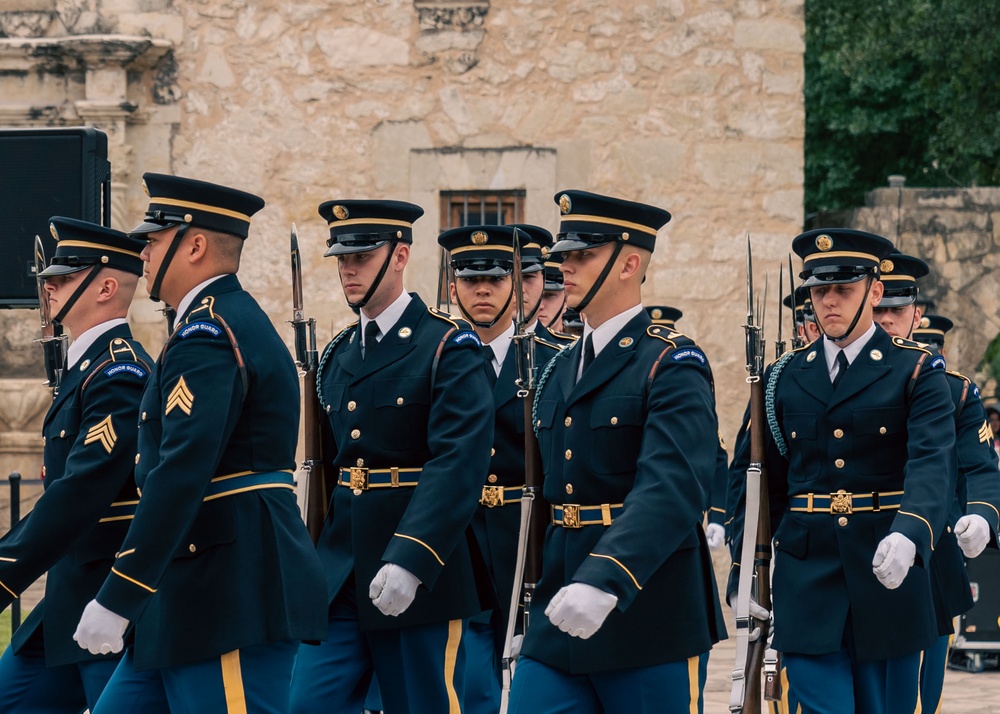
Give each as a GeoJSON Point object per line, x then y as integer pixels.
{"type": "Point", "coordinates": [947, 655]}
{"type": "Point", "coordinates": [693, 683]}
{"type": "Point", "coordinates": [232, 683]}
{"type": "Point", "coordinates": [920, 682]}
{"type": "Point", "coordinates": [450, 659]}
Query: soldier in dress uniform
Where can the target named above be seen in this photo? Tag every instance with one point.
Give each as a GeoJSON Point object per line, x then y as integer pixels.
{"type": "Point", "coordinates": [79, 522]}
{"type": "Point", "coordinates": [535, 244]}
{"type": "Point", "coordinates": [550, 313]}
{"type": "Point", "coordinates": [804, 317]}
{"type": "Point", "coordinates": [932, 330]}
{"type": "Point", "coordinates": [482, 261]}
{"type": "Point", "coordinates": [975, 486]}
{"type": "Point", "coordinates": [407, 435]}
{"type": "Point", "coordinates": [217, 573]}
{"type": "Point", "coordinates": [857, 465]}
{"type": "Point", "coordinates": [623, 615]}
{"type": "Point", "coordinates": [715, 503]}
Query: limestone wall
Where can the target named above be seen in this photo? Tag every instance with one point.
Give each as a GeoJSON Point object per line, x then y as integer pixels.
{"type": "Point", "coordinates": [692, 105]}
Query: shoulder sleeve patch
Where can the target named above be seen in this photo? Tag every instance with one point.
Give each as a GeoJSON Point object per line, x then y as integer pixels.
{"type": "Point", "coordinates": [689, 353]}
{"type": "Point", "coordinates": [938, 363]}
{"type": "Point", "coordinates": [126, 368]}
{"type": "Point", "coordinates": [467, 336]}
{"type": "Point", "coordinates": [199, 328]}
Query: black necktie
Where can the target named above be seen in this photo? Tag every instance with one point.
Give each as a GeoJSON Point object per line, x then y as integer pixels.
{"type": "Point", "coordinates": [843, 364]}
{"type": "Point", "coordinates": [371, 337]}
{"type": "Point", "coordinates": [488, 364]}
{"type": "Point", "coordinates": [588, 351]}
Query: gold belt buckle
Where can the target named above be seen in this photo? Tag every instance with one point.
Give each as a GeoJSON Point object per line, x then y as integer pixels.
{"type": "Point", "coordinates": [571, 516]}
{"type": "Point", "coordinates": [841, 502]}
{"type": "Point", "coordinates": [492, 496]}
{"type": "Point", "coordinates": [359, 478]}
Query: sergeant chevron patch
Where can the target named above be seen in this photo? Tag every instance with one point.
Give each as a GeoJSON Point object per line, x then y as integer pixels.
{"type": "Point", "coordinates": [985, 433]}
{"type": "Point", "coordinates": [180, 397]}
{"type": "Point", "coordinates": [104, 433]}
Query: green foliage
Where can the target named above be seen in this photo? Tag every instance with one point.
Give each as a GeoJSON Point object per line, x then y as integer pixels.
{"type": "Point", "coordinates": [899, 86]}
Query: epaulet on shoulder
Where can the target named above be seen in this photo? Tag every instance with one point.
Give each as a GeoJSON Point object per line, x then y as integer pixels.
{"type": "Point", "coordinates": [958, 375]}
{"type": "Point", "coordinates": [661, 333]}
{"type": "Point", "coordinates": [564, 335]}
{"type": "Point", "coordinates": [909, 345]}
{"type": "Point", "coordinates": [345, 328]}
{"type": "Point", "coordinates": [447, 317]}
{"type": "Point", "coordinates": [787, 353]}
{"type": "Point", "coordinates": [204, 311]}
{"type": "Point", "coordinates": [553, 345]}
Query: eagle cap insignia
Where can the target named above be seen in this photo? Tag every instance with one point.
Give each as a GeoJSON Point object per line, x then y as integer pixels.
{"type": "Point", "coordinates": [925, 322]}
{"type": "Point", "coordinates": [625, 341]}
{"type": "Point", "coordinates": [887, 266]}
{"type": "Point", "coordinates": [824, 242]}
{"type": "Point", "coordinates": [53, 231]}
{"type": "Point", "coordinates": [657, 314]}
{"type": "Point", "coordinates": [876, 355]}
{"type": "Point", "coordinates": [545, 251]}
{"type": "Point", "coordinates": [341, 212]}
{"type": "Point", "coordinates": [479, 238]}
{"type": "Point", "coordinates": [565, 204]}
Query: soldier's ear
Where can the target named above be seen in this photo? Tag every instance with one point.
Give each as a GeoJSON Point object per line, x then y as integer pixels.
{"type": "Point", "coordinates": [876, 292]}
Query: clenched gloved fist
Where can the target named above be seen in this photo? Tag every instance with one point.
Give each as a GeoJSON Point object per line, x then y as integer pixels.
{"type": "Point", "coordinates": [757, 612]}
{"type": "Point", "coordinates": [580, 609]}
{"type": "Point", "coordinates": [715, 535]}
{"type": "Point", "coordinates": [393, 588]}
{"type": "Point", "coordinates": [973, 533]}
{"type": "Point", "coordinates": [100, 630]}
{"type": "Point", "coordinates": [893, 558]}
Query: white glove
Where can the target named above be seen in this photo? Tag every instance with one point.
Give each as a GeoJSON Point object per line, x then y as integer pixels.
{"type": "Point", "coordinates": [757, 611]}
{"type": "Point", "coordinates": [100, 630]}
{"type": "Point", "coordinates": [393, 588]}
{"type": "Point", "coordinates": [580, 609]}
{"type": "Point", "coordinates": [973, 533]}
{"type": "Point", "coordinates": [515, 646]}
{"type": "Point", "coordinates": [893, 559]}
{"type": "Point", "coordinates": [715, 535]}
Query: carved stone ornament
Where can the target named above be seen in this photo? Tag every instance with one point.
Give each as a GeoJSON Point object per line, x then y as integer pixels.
{"type": "Point", "coordinates": [453, 15]}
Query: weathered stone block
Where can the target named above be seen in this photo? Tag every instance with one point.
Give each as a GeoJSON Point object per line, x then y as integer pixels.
{"type": "Point", "coordinates": [347, 47]}
{"type": "Point", "coordinates": [769, 34]}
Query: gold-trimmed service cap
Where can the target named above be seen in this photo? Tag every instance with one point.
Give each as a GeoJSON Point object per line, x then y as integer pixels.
{"type": "Point", "coordinates": [899, 276]}
{"type": "Point", "coordinates": [532, 240]}
{"type": "Point", "coordinates": [553, 275]}
{"type": "Point", "coordinates": [480, 251]}
{"type": "Point", "coordinates": [932, 330]}
{"type": "Point", "coordinates": [174, 200]}
{"type": "Point", "coordinates": [80, 244]}
{"type": "Point", "coordinates": [839, 255]}
{"type": "Point", "coordinates": [664, 315]}
{"type": "Point", "coordinates": [357, 226]}
{"type": "Point", "coordinates": [803, 304]}
{"type": "Point", "coordinates": [590, 219]}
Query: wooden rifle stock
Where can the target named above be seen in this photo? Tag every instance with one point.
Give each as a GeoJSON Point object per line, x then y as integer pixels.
{"type": "Point", "coordinates": [762, 551]}
{"type": "Point", "coordinates": [316, 498]}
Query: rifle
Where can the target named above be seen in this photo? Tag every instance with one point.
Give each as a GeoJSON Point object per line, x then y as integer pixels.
{"type": "Point", "coordinates": [534, 514]}
{"type": "Point", "coordinates": [798, 340]}
{"type": "Point", "coordinates": [779, 345]}
{"type": "Point", "coordinates": [306, 358]}
{"type": "Point", "coordinates": [53, 340]}
{"type": "Point", "coordinates": [752, 634]}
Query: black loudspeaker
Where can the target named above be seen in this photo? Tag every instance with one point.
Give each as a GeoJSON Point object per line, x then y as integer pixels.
{"type": "Point", "coordinates": [44, 173]}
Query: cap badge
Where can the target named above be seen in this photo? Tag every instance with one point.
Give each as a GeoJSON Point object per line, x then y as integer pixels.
{"type": "Point", "coordinates": [625, 341]}
{"type": "Point", "coordinates": [52, 230]}
{"type": "Point", "coordinates": [188, 218]}
{"type": "Point", "coordinates": [925, 322]}
{"type": "Point", "coordinates": [479, 238]}
{"type": "Point", "coordinates": [824, 242]}
{"type": "Point", "coordinates": [565, 205]}
{"type": "Point", "coordinates": [810, 357]}
{"type": "Point", "coordinates": [886, 266]}
{"type": "Point", "coordinates": [84, 365]}
{"type": "Point", "coordinates": [404, 332]}
{"type": "Point", "coordinates": [657, 314]}
{"type": "Point", "coordinates": [876, 355]}
{"type": "Point", "coordinates": [340, 212]}
{"type": "Point", "coordinates": [145, 187]}
{"type": "Point", "coordinates": [545, 251]}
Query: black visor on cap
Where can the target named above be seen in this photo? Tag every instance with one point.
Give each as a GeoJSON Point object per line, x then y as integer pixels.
{"type": "Point", "coordinates": [566, 242]}
{"type": "Point", "coordinates": [898, 297]}
{"type": "Point", "coordinates": [482, 268]}
{"type": "Point", "coordinates": [358, 243]}
{"type": "Point", "coordinates": [834, 275]}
